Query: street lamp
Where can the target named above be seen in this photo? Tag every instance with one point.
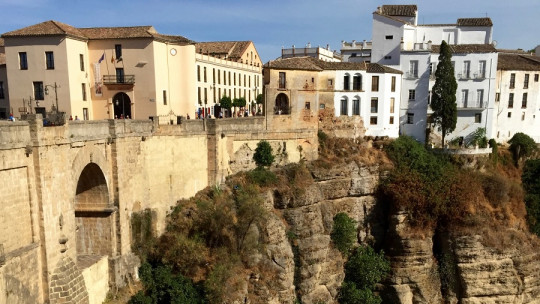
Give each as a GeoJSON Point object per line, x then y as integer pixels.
{"type": "Point", "coordinates": [55, 93]}
{"type": "Point", "coordinates": [123, 105]}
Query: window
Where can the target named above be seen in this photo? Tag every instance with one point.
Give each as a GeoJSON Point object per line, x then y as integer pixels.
{"type": "Point", "coordinates": [322, 106]}
{"type": "Point", "coordinates": [85, 113]}
{"type": "Point", "coordinates": [2, 90]}
{"type": "Point", "coordinates": [346, 82]}
{"type": "Point", "coordinates": [353, 55]}
{"type": "Point", "coordinates": [535, 77]}
{"type": "Point", "coordinates": [281, 80]}
{"type": "Point", "coordinates": [357, 82]}
{"type": "Point", "coordinates": [375, 83]}
{"type": "Point", "coordinates": [478, 118]}
{"type": "Point", "coordinates": [412, 95]}
{"type": "Point", "coordinates": [374, 105]}
{"type": "Point", "coordinates": [49, 59]}
{"type": "Point", "coordinates": [198, 73]}
{"type": "Point", "coordinates": [204, 74]}
{"type": "Point", "coordinates": [480, 98]}
{"type": "Point", "coordinates": [429, 97]}
{"type": "Point", "coordinates": [497, 96]}
{"type": "Point", "coordinates": [199, 95]}
{"type": "Point", "coordinates": [393, 87]}
{"type": "Point", "coordinates": [466, 69]}
{"type": "Point", "coordinates": [206, 95]}
{"type": "Point", "coordinates": [392, 104]}
{"type": "Point", "coordinates": [120, 75]}
{"type": "Point", "coordinates": [511, 100]}
{"type": "Point", "coordinates": [218, 77]}
{"type": "Point", "coordinates": [219, 94]}
{"type": "Point", "coordinates": [213, 75]}
{"type": "Point", "coordinates": [410, 118]}
{"type": "Point", "coordinates": [431, 68]}
{"type": "Point", "coordinates": [307, 105]}
{"type": "Point", "coordinates": [512, 80]}
{"type": "Point", "coordinates": [413, 69]}
{"type": "Point", "coordinates": [164, 97]}
{"type": "Point", "coordinates": [330, 83]}
{"type": "Point", "coordinates": [523, 116]}
{"type": "Point", "coordinates": [356, 106]}
{"type": "Point", "coordinates": [524, 101]}
{"type": "Point", "coordinates": [387, 57]}
{"type": "Point", "coordinates": [23, 61]}
{"type": "Point", "coordinates": [118, 51]}
{"type": "Point", "coordinates": [249, 81]}
{"type": "Point", "coordinates": [230, 78]}
{"type": "Point", "coordinates": [526, 82]}
{"type": "Point", "coordinates": [81, 61]}
{"type": "Point", "coordinates": [509, 114]}
{"type": "Point", "coordinates": [389, 37]}
{"type": "Point", "coordinates": [344, 106]}
{"type": "Point", "coordinates": [224, 78]}
{"type": "Point", "coordinates": [373, 120]}
{"type": "Point", "coordinates": [234, 78]}
{"type": "Point", "coordinates": [391, 120]}
{"type": "Point", "coordinates": [38, 90]}
{"type": "Point", "coordinates": [465, 97]}
{"type": "Point", "coordinates": [481, 69]}
{"type": "Point", "coordinates": [83, 87]}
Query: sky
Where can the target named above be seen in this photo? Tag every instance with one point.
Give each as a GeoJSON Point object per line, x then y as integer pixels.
{"type": "Point", "coordinates": [273, 24]}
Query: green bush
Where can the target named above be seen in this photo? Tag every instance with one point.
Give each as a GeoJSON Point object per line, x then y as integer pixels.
{"type": "Point", "coordinates": [263, 156]}
{"type": "Point", "coordinates": [496, 189]}
{"type": "Point", "coordinates": [494, 149]}
{"type": "Point", "coordinates": [160, 285]}
{"type": "Point", "coordinates": [522, 145]}
{"type": "Point", "coordinates": [215, 285]}
{"type": "Point", "coordinates": [531, 185]}
{"type": "Point", "coordinates": [262, 177]}
{"type": "Point", "coordinates": [349, 294]}
{"type": "Point", "coordinates": [343, 233]}
{"type": "Point", "coordinates": [366, 267]}
{"type": "Point", "coordinates": [225, 102]}
{"type": "Point", "coordinates": [142, 232]}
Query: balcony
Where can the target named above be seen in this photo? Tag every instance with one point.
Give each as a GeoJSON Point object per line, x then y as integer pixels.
{"type": "Point", "coordinates": [464, 76]}
{"type": "Point", "coordinates": [479, 76]}
{"type": "Point", "coordinates": [471, 105]}
{"type": "Point", "coordinates": [119, 81]}
{"type": "Point", "coordinates": [411, 75]}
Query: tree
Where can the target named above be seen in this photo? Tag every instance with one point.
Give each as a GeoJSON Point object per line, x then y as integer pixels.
{"type": "Point", "coordinates": [522, 145]}
{"type": "Point", "coordinates": [443, 101]}
{"type": "Point", "coordinates": [225, 102]}
{"type": "Point", "coordinates": [259, 99]}
{"type": "Point", "coordinates": [263, 154]}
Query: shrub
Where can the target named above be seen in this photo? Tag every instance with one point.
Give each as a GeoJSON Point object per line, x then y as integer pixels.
{"type": "Point", "coordinates": [522, 145]}
{"type": "Point", "coordinates": [263, 156]}
{"type": "Point", "coordinates": [494, 149]}
{"type": "Point", "coordinates": [262, 177]}
{"type": "Point", "coordinates": [496, 189]}
{"type": "Point", "coordinates": [142, 232]}
{"type": "Point", "coordinates": [343, 233]}
{"type": "Point", "coordinates": [531, 185]}
{"type": "Point", "coordinates": [160, 285]}
{"type": "Point", "coordinates": [225, 102]}
{"type": "Point", "coordinates": [183, 254]}
{"type": "Point", "coordinates": [366, 267]}
{"type": "Point", "coordinates": [349, 294]}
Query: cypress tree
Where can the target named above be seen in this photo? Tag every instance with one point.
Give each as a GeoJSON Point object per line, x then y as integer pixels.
{"type": "Point", "coordinates": [443, 101]}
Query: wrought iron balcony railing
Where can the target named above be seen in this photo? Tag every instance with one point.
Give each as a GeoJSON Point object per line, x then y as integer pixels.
{"type": "Point", "coordinates": [118, 79]}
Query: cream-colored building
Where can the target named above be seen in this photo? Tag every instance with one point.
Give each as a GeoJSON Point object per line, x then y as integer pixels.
{"type": "Point", "coordinates": [228, 68]}
{"type": "Point", "coordinates": [5, 109]}
{"type": "Point", "coordinates": [100, 73]}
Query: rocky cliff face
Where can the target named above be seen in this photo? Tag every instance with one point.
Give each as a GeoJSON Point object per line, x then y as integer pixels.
{"type": "Point", "coordinates": [309, 268]}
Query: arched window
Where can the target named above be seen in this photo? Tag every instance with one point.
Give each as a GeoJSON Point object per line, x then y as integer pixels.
{"type": "Point", "coordinates": [347, 82]}
{"type": "Point", "coordinates": [356, 106]}
{"type": "Point", "coordinates": [344, 106]}
{"type": "Point", "coordinates": [357, 82]}
{"type": "Point", "coordinates": [282, 104]}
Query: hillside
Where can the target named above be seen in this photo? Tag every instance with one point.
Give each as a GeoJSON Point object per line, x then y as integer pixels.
{"type": "Point", "coordinates": [451, 235]}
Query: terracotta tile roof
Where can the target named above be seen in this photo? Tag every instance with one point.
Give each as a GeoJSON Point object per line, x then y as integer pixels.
{"type": "Point", "coordinates": [2, 58]}
{"type": "Point", "coordinates": [128, 32]}
{"type": "Point", "coordinates": [467, 48]}
{"type": "Point", "coordinates": [231, 49]}
{"type": "Point", "coordinates": [512, 51]}
{"type": "Point", "coordinates": [516, 62]}
{"type": "Point", "coordinates": [399, 10]}
{"type": "Point", "coordinates": [313, 64]}
{"type": "Point", "coordinates": [47, 28]}
{"type": "Point", "coordinates": [474, 22]}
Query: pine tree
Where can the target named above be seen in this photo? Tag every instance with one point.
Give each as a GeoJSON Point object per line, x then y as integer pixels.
{"type": "Point", "coordinates": [443, 101]}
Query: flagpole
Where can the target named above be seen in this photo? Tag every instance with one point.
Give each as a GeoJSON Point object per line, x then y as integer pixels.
{"type": "Point", "coordinates": [106, 62]}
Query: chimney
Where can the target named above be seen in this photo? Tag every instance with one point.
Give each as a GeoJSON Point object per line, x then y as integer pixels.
{"type": "Point", "coordinates": [328, 46]}
{"type": "Point", "coordinates": [309, 45]}
{"type": "Point", "coordinates": [354, 43]}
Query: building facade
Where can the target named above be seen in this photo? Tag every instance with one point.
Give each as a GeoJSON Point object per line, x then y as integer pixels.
{"type": "Point", "coordinates": [230, 68]}
{"type": "Point", "coordinates": [400, 42]}
{"type": "Point", "coordinates": [356, 51]}
{"type": "Point", "coordinates": [517, 96]}
{"type": "Point", "coordinates": [304, 88]}
{"type": "Point", "coordinates": [324, 54]}
{"type": "Point", "coordinates": [5, 108]}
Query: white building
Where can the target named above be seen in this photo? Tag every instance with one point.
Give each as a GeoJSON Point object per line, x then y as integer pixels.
{"type": "Point", "coordinates": [517, 96]}
{"type": "Point", "coordinates": [324, 54]}
{"type": "Point", "coordinates": [356, 51]}
{"type": "Point", "coordinates": [400, 42]}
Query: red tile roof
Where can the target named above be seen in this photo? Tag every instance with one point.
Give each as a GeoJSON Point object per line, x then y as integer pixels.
{"type": "Point", "coordinates": [313, 64]}
{"type": "Point", "coordinates": [47, 28]}
{"type": "Point", "coordinates": [518, 62]}
{"type": "Point", "coordinates": [399, 10]}
{"type": "Point", "coordinates": [230, 49]}
{"type": "Point", "coordinates": [474, 22]}
{"type": "Point", "coordinates": [466, 48]}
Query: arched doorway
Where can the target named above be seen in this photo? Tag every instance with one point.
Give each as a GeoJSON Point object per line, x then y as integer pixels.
{"type": "Point", "coordinates": [93, 214]}
{"type": "Point", "coordinates": [122, 105]}
{"type": "Point", "coordinates": [282, 104]}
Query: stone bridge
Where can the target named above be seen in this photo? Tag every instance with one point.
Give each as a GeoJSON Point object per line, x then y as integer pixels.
{"type": "Point", "coordinates": [69, 193]}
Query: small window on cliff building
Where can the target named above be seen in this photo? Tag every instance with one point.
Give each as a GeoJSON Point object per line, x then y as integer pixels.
{"type": "Point", "coordinates": [308, 105]}
{"type": "Point", "coordinates": [322, 106]}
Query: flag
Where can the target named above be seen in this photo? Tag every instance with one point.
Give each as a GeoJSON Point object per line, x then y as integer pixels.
{"type": "Point", "coordinates": [101, 58]}
{"type": "Point", "coordinates": [112, 59]}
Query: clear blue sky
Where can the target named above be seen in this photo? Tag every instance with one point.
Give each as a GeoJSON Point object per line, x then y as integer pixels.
{"type": "Point", "coordinates": [274, 23]}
